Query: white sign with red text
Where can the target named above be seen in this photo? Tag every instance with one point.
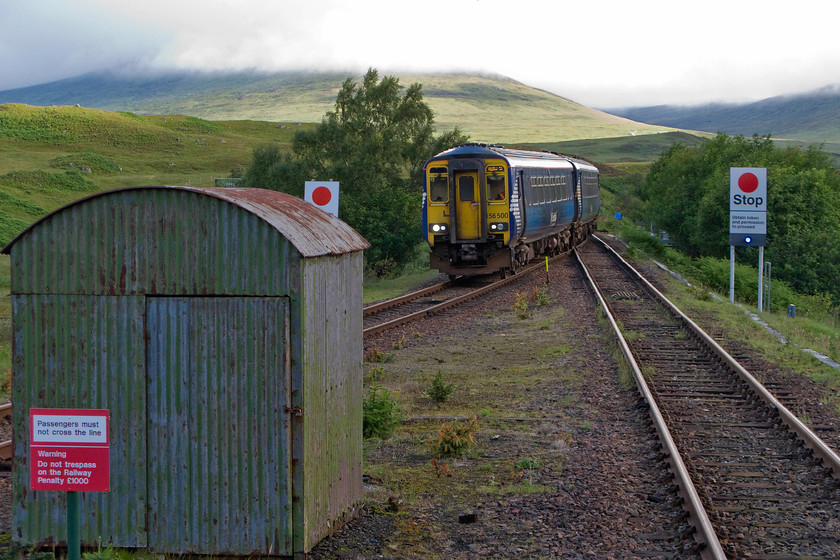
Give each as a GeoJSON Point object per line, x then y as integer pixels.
{"type": "Point", "coordinates": [69, 449]}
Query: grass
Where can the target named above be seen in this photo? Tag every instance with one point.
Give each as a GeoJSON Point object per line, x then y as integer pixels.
{"type": "Point", "coordinates": [378, 289]}
{"type": "Point", "coordinates": [820, 333]}
{"type": "Point", "coordinates": [510, 381]}
{"type": "Point", "coordinates": [472, 102]}
{"type": "Point", "coordinates": [46, 148]}
{"type": "Point", "coordinates": [638, 149]}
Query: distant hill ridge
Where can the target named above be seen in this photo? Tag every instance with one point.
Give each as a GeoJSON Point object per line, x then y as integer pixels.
{"type": "Point", "coordinates": [812, 116]}
{"type": "Point", "coordinates": [489, 108]}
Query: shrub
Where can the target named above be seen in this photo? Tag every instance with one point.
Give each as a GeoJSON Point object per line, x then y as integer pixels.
{"type": "Point", "coordinates": [453, 440]}
{"type": "Point", "coordinates": [440, 390]}
{"type": "Point", "coordinates": [520, 305]}
{"type": "Point", "coordinates": [101, 554]}
{"type": "Point", "coordinates": [377, 373]}
{"type": "Point", "coordinates": [380, 413]}
{"type": "Point", "coordinates": [539, 297]}
{"type": "Point", "coordinates": [376, 356]}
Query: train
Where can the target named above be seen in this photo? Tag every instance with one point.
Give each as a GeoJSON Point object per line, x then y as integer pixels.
{"type": "Point", "coordinates": [489, 209]}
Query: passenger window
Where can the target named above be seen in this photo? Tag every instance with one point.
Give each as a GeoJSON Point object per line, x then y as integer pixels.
{"type": "Point", "coordinates": [439, 189]}
{"type": "Point", "coordinates": [466, 188]}
{"type": "Point", "coordinates": [495, 187]}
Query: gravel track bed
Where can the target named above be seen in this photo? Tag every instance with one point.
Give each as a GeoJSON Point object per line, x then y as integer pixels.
{"type": "Point", "coordinates": [605, 493]}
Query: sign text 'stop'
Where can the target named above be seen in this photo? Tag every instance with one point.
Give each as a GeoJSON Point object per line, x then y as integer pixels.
{"type": "Point", "coordinates": [748, 189]}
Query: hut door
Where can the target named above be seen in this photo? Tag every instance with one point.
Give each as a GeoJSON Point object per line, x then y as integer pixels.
{"type": "Point", "coordinates": [219, 437]}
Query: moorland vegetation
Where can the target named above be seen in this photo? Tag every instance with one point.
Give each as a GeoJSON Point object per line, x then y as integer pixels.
{"type": "Point", "coordinates": [375, 140]}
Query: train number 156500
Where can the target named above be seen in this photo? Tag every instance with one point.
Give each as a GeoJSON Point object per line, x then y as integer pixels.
{"type": "Point", "coordinates": [498, 215]}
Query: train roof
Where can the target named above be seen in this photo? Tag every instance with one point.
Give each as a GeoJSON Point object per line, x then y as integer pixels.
{"type": "Point", "coordinates": [518, 158]}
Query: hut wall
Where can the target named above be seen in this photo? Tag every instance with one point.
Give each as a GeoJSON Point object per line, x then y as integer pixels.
{"type": "Point", "coordinates": [331, 393]}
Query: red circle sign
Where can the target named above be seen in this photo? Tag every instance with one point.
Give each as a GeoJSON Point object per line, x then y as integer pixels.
{"type": "Point", "coordinates": [748, 182]}
{"type": "Point", "coordinates": [321, 196]}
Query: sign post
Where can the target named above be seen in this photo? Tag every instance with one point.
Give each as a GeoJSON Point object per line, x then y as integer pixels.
{"type": "Point", "coordinates": [323, 194]}
{"type": "Point", "coordinates": [69, 451]}
{"type": "Point", "coordinates": [747, 218]}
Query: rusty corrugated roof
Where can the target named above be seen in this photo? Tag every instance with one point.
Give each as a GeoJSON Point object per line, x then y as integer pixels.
{"type": "Point", "coordinates": [312, 231]}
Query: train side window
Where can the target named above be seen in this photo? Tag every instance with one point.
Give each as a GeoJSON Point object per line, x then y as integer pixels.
{"type": "Point", "coordinates": [439, 189]}
{"type": "Point", "coordinates": [535, 191]}
{"type": "Point", "coordinates": [495, 187]}
{"type": "Point", "coordinates": [466, 188]}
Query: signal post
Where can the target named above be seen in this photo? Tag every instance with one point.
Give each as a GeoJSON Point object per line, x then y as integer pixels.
{"type": "Point", "coordinates": [747, 219]}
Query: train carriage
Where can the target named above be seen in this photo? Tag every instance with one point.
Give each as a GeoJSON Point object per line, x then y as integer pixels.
{"type": "Point", "coordinates": [489, 209]}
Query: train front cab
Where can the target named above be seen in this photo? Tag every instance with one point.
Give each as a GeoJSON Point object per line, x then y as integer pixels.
{"type": "Point", "coordinates": [467, 215]}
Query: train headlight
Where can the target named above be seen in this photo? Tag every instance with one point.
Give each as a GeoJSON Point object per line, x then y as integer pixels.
{"type": "Point", "coordinates": [439, 228]}
{"type": "Point", "coordinates": [498, 226]}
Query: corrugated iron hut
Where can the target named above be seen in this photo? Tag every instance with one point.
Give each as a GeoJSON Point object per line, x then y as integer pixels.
{"type": "Point", "coordinates": [222, 329]}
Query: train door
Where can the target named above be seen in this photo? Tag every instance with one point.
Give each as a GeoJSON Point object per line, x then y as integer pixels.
{"type": "Point", "coordinates": [467, 205]}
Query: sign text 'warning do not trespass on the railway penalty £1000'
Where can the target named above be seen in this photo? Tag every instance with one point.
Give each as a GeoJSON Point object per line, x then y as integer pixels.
{"type": "Point", "coordinates": [68, 449]}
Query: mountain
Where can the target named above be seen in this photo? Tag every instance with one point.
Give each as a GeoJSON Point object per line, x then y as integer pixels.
{"type": "Point", "coordinates": [490, 108]}
{"type": "Point", "coordinates": [811, 117]}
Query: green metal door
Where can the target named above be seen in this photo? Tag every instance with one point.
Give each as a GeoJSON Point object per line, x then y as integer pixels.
{"type": "Point", "coordinates": [219, 435]}
{"type": "Point", "coordinates": [77, 351]}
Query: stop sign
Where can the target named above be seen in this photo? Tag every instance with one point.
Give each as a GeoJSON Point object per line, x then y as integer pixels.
{"type": "Point", "coordinates": [748, 206]}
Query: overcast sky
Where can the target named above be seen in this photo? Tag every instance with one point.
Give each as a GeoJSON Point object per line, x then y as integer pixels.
{"type": "Point", "coordinates": [602, 53]}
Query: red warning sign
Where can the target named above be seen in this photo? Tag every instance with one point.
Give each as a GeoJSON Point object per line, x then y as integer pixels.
{"type": "Point", "coordinates": [323, 194]}
{"type": "Point", "coordinates": [69, 449]}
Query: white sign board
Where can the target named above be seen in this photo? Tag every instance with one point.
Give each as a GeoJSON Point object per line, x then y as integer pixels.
{"type": "Point", "coordinates": [748, 206]}
{"type": "Point", "coordinates": [69, 449]}
{"type": "Point", "coordinates": [323, 194]}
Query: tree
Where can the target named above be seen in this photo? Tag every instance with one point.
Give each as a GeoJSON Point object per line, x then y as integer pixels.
{"type": "Point", "coordinates": [375, 143]}
{"type": "Point", "coordinates": [687, 191]}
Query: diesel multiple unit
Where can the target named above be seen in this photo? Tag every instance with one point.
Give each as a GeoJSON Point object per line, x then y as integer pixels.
{"type": "Point", "coordinates": [489, 209]}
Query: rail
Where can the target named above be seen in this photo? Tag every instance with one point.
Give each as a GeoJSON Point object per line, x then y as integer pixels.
{"type": "Point", "coordinates": [706, 532]}
{"type": "Point", "coordinates": [830, 458]}
{"type": "Point", "coordinates": [525, 271]}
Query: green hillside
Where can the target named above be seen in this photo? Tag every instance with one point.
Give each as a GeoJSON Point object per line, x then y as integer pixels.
{"type": "Point", "coordinates": [488, 108]}
{"type": "Point", "coordinates": [618, 152]}
{"type": "Point", "coordinates": [50, 156]}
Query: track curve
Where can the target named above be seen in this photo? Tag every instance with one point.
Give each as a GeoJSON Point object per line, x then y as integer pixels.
{"type": "Point", "coordinates": [768, 484]}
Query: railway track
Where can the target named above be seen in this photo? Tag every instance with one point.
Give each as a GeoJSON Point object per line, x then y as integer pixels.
{"type": "Point", "coordinates": [423, 303]}
{"type": "Point", "coordinates": [756, 481]}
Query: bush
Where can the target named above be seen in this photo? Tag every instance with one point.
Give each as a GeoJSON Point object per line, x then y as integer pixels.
{"type": "Point", "coordinates": [380, 413]}
{"type": "Point", "coordinates": [453, 440]}
{"type": "Point", "coordinates": [101, 554]}
{"type": "Point", "coordinates": [440, 390]}
{"type": "Point", "coordinates": [644, 241]}
{"type": "Point", "coordinates": [520, 305]}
